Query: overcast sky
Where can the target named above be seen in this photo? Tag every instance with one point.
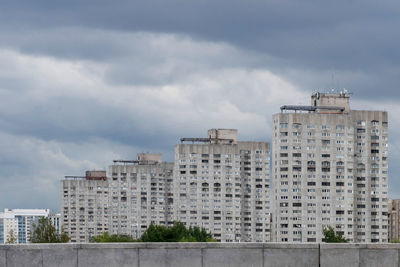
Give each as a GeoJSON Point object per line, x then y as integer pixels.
{"type": "Point", "coordinates": [86, 82]}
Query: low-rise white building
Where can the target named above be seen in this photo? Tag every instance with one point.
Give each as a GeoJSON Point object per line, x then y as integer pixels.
{"type": "Point", "coordinates": [20, 222]}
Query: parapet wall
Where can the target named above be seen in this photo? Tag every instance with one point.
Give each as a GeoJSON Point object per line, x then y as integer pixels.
{"type": "Point", "coordinates": [199, 255]}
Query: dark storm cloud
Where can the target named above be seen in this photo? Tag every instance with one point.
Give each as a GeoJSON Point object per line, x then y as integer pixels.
{"type": "Point", "coordinates": [329, 36]}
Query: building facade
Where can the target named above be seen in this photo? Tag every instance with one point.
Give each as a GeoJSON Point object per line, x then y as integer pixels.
{"type": "Point", "coordinates": [140, 194]}
{"type": "Point", "coordinates": [394, 219]}
{"type": "Point", "coordinates": [20, 222]}
{"type": "Point", "coordinates": [222, 184]}
{"type": "Point", "coordinates": [85, 205]}
{"type": "Point", "coordinates": [330, 168]}
{"type": "Point", "coordinates": [136, 194]}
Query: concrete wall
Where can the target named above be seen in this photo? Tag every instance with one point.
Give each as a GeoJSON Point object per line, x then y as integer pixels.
{"type": "Point", "coordinates": [199, 255]}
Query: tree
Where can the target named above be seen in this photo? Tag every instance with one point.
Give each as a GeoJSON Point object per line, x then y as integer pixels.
{"type": "Point", "coordinates": [45, 232]}
{"type": "Point", "coordinates": [11, 239]}
{"type": "Point", "coordinates": [160, 233]}
{"type": "Point", "coordinates": [331, 237]}
{"type": "Point", "coordinates": [200, 235]}
{"type": "Point", "coordinates": [395, 240]}
{"type": "Point", "coordinates": [64, 238]}
{"type": "Point", "coordinates": [106, 237]}
{"type": "Point", "coordinates": [177, 233]}
{"type": "Point", "coordinates": [156, 233]}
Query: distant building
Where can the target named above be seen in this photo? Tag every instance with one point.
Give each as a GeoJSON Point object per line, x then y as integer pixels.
{"type": "Point", "coordinates": [85, 205]}
{"type": "Point", "coordinates": [330, 168]}
{"type": "Point", "coordinates": [136, 194]}
{"type": "Point", "coordinates": [394, 219]}
{"type": "Point", "coordinates": [20, 221]}
{"type": "Point", "coordinates": [222, 184]}
{"type": "Point", "coordinates": [140, 194]}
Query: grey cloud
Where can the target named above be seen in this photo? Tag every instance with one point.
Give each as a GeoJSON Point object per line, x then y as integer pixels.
{"type": "Point", "coordinates": [31, 169]}
{"type": "Point", "coordinates": [340, 36]}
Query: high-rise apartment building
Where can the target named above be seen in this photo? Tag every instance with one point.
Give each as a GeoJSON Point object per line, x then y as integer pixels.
{"type": "Point", "coordinates": [222, 184]}
{"type": "Point", "coordinates": [394, 219]}
{"type": "Point", "coordinates": [136, 194]}
{"type": "Point", "coordinates": [330, 168]}
{"type": "Point", "coordinates": [85, 205]}
{"type": "Point", "coordinates": [140, 194]}
{"type": "Point", "coordinates": [20, 222]}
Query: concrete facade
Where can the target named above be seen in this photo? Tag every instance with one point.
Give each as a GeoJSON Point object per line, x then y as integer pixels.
{"type": "Point", "coordinates": [140, 194]}
{"type": "Point", "coordinates": [85, 205]}
{"type": "Point", "coordinates": [394, 219]}
{"type": "Point", "coordinates": [330, 168]}
{"type": "Point", "coordinates": [136, 194]}
{"type": "Point", "coordinates": [222, 184]}
{"type": "Point", "coordinates": [199, 255]}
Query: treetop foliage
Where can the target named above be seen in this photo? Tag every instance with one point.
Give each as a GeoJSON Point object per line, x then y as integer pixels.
{"type": "Point", "coordinates": [12, 239]}
{"type": "Point", "coordinates": [331, 237]}
{"type": "Point", "coordinates": [160, 233]}
{"type": "Point", "coordinates": [107, 238]}
{"type": "Point", "coordinates": [177, 233]}
{"type": "Point", "coordinates": [45, 232]}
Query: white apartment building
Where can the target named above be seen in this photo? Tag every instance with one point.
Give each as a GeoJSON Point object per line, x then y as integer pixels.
{"type": "Point", "coordinates": [222, 184]}
{"type": "Point", "coordinates": [330, 168]}
{"type": "Point", "coordinates": [85, 205]}
{"type": "Point", "coordinates": [136, 194]}
{"type": "Point", "coordinates": [20, 221]}
{"type": "Point", "coordinates": [140, 194]}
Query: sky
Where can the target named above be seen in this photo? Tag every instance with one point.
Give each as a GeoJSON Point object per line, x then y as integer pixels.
{"type": "Point", "coordinates": [85, 82]}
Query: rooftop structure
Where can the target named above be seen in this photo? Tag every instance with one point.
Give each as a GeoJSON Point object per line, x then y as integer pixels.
{"type": "Point", "coordinates": [215, 136]}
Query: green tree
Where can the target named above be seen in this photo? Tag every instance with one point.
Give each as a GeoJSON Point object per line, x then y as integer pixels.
{"type": "Point", "coordinates": [107, 238]}
{"type": "Point", "coordinates": [160, 233]}
{"type": "Point", "coordinates": [11, 239]}
{"type": "Point", "coordinates": [395, 240]}
{"type": "Point", "coordinates": [177, 233]}
{"type": "Point", "coordinates": [156, 233]}
{"type": "Point", "coordinates": [64, 238]}
{"type": "Point", "coordinates": [45, 232]}
{"type": "Point", "coordinates": [331, 237]}
{"type": "Point", "coordinates": [199, 235]}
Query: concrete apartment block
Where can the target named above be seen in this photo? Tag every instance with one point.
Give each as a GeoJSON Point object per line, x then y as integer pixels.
{"type": "Point", "coordinates": [330, 168]}
{"type": "Point", "coordinates": [137, 193]}
{"type": "Point", "coordinates": [394, 219]}
{"type": "Point", "coordinates": [222, 184]}
{"type": "Point", "coordinates": [145, 158]}
{"type": "Point", "coordinates": [85, 205]}
{"type": "Point", "coordinates": [140, 194]}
